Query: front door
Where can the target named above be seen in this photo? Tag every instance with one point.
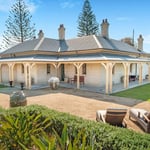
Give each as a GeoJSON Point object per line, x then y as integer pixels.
{"type": "Point", "coordinates": [62, 68]}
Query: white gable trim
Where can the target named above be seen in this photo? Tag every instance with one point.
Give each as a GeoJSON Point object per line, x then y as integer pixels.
{"type": "Point", "coordinates": [39, 44]}
{"type": "Point", "coordinates": [97, 42]}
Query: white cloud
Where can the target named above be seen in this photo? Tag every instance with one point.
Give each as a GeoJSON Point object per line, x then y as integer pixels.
{"type": "Point", "coordinates": [68, 3]}
{"type": "Point", "coordinates": [32, 5]}
{"type": "Point", "coordinates": [5, 5]}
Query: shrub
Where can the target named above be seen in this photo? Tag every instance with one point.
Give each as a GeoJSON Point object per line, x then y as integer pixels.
{"type": "Point", "coordinates": [98, 135]}
{"type": "Point", "coordinates": [17, 128]}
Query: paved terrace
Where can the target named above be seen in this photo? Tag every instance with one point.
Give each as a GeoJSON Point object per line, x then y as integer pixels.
{"type": "Point", "coordinates": [101, 90]}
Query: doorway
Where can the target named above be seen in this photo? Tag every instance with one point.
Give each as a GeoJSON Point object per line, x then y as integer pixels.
{"type": "Point", "coordinates": [62, 68]}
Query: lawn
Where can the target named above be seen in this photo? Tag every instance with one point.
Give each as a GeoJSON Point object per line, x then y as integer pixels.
{"type": "Point", "coordinates": [2, 86]}
{"type": "Point", "coordinates": [141, 92]}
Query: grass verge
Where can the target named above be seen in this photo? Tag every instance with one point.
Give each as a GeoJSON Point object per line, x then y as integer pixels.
{"type": "Point", "coordinates": [141, 92]}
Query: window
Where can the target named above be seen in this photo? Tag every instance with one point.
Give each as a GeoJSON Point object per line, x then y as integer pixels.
{"type": "Point", "coordinates": [84, 69]}
{"type": "Point", "coordinates": [22, 68]}
{"type": "Point", "coordinates": [48, 68]}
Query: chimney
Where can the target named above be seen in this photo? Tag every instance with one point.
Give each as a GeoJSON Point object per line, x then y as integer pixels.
{"type": "Point", "coordinates": [140, 42]}
{"type": "Point", "coordinates": [104, 28]}
{"type": "Point", "coordinates": [61, 31]}
{"type": "Point", "coordinates": [41, 34]}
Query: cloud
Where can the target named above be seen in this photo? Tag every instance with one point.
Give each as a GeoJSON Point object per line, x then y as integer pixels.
{"type": "Point", "coordinates": [32, 5]}
{"type": "Point", "coordinates": [123, 18]}
{"type": "Point", "coordinates": [67, 4]}
{"type": "Point", "coordinates": [5, 5]}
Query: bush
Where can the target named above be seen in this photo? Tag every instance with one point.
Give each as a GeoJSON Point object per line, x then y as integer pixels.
{"type": "Point", "coordinates": [98, 135]}
{"type": "Point", "coordinates": [17, 128]}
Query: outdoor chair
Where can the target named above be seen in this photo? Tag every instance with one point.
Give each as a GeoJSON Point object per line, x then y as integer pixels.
{"type": "Point", "coordinates": [113, 116]}
{"type": "Point", "coordinates": [142, 117]}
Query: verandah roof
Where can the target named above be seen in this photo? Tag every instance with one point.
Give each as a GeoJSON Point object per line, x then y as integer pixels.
{"type": "Point", "coordinates": [75, 58]}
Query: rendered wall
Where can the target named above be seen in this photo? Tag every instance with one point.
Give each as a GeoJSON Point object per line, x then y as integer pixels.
{"type": "Point", "coordinates": [42, 76]}
{"type": "Point", "coordinates": [5, 73]}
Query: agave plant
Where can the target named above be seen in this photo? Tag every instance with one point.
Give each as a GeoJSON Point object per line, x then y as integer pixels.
{"type": "Point", "coordinates": [63, 141]}
{"type": "Point", "coordinates": [16, 129]}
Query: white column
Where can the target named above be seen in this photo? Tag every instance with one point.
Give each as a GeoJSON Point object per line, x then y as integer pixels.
{"type": "Point", "coordinates": [111, 65]}
{"type": "Point", "coordinates": [78, 66]}
{"type": "Point", "coordinates": [106, 66]}
{"type": "Point", "coordinates": [107, 79]}
{"type": "Point", "coordinates": [11, 75]}
{"type": "Point", "coordinates": [140, 72]}
{"type": "Point", "coordinates": [0, 73]}
{"type": "Point", "coordinates": [126, 74]}
{"type": "Point", "coordinates": [12, 71]}
{"type": "Point", "coordinates": [29, 75]}
{"type": "Point", "coordinates": [56, 65]}
{"type": "Point", "coordinates": [148, 72]}
{"type": "Point", "coordinates": [25, 75]}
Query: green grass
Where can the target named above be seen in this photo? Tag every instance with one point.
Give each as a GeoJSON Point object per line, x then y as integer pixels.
{"type": "Point", "coordinates": [2, 86]}
{"type": "Point", "coordinates": [141, 92]}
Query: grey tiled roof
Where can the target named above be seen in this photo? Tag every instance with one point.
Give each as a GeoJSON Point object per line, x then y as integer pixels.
{"type": "Point", "coordinates": [80, 43]}
{"type": "Point", "coordinates": [23, 47]}
{"type": "Point", "coordinates": [49, 45]}
{"type": "Point", "coordinates": [116, 45]}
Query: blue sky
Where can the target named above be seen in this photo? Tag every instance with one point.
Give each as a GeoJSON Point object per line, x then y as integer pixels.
{"type": "Point", "coordinates": [123, 16]}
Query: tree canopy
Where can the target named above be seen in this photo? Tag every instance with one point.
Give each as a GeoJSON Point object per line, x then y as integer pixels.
{"type": "Point", "coordinates": [18, 25]}
{"type": "Point", "coordinates": [87, 24]}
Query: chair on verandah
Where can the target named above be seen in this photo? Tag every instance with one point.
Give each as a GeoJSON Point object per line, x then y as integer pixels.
{"type": "Point", "coordinates": [113, 116]}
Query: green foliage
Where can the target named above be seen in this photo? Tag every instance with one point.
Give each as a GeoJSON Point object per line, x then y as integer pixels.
{"type": "Point", "coordinates": [2, 109]}
{"type": "Point", "coordinates": [17, 128]}
{"type": "Point", "coordinates": [2, 86]}
{"type": "Point", "coordinates": [76, 134]}
{"type": "Point", "coordinates": [18, 25]}
{"type": "Point", "coordinates": [87, 24]}
{"type": "Point", "coordinates": [44, 142]}
{"type": "Point", "coordinates": [141, 92]}
{"type": "Point", "coordinates": [62, 142]}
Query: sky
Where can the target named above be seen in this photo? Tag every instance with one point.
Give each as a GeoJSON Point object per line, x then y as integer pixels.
{"type": "Point", "coordinates": [124, 16]}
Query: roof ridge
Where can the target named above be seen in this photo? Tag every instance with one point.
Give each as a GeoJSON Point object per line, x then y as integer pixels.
{"type": "Point", "coordinates": [39, 44]}
{"type": "Point", "coordinates": [97, 41]}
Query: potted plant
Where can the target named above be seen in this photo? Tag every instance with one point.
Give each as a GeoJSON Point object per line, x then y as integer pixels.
{"type": "Point", "coordinates": [22, 85]}
{"type": "Point", "coordinates": [10, 83]}
{"type": "Point", "coordinates": [54, 82]}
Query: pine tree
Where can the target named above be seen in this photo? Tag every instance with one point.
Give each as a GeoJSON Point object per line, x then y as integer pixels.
{"type": "Point", "coordinates": [18, 25]}
{"type": "Point", "coordinates": [87, 24]}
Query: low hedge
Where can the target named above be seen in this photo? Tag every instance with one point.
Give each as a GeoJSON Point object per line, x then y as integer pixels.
{"type": "Point", "coordinates": [103, 136]}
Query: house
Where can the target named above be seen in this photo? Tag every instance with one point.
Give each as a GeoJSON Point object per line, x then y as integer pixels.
{"type": "Point", "coordinates": [101, 61]}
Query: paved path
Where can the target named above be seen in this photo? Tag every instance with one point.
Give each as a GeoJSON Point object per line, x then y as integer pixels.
{"type": "Point", "coordinates": [94, 95]}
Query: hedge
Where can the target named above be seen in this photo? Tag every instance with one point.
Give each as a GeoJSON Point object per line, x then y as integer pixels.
{"type": "Point", "coordinates": [103, 136]}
